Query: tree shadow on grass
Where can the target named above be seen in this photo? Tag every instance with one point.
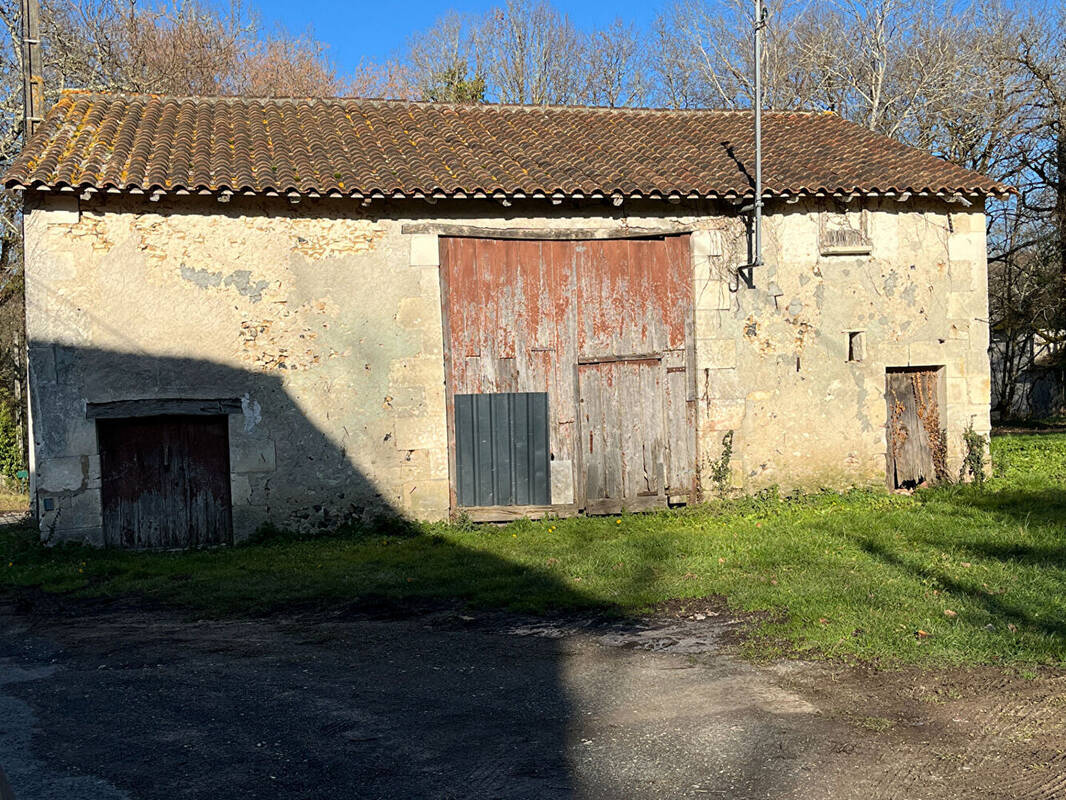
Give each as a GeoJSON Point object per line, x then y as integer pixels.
{"type": "Point", "coordinates": [1053, 556]}
{"type": "Point", "coordinates": [994, 604]}
{"type": "Point", "coordinates": [1041, 508]}
{"type": "Point", "coordinates": [1046, 505]}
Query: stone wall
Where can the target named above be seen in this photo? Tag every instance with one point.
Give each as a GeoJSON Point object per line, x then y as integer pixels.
{"type": "Point", "coordinates": [773, 360]}
{"type": "Point", "coordinates": [324, 318]}
{"type": "Point", "coordinates": [326, 326]}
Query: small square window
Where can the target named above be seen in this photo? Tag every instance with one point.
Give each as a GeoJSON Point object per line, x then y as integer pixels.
{"type": "Point", "coordinates": [856, 345]}
{"type": "Point", "coordinates": [843, 233]}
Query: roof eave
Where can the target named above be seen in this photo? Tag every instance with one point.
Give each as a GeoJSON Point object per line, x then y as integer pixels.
{"type": "Point", "coordinates": [156, 191]}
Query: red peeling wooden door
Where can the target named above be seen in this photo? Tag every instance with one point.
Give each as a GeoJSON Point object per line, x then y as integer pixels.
{"type": "Point", "coordinates": [638, 431]}
{"type": "Point", "coordinates": [602, 327]}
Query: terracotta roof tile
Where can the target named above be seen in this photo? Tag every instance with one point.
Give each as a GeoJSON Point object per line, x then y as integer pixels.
{"type": "Point", "coordinates": [366, 146]}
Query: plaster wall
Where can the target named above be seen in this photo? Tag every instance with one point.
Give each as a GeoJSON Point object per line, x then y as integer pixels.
{"type": "Point", "coordinates": [324, 318]}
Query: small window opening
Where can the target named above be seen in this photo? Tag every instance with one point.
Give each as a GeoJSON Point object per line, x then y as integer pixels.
{"type": "Point", "coordinates": [856, 345]}
{"type": "Point", "coordinates": [843, 232]}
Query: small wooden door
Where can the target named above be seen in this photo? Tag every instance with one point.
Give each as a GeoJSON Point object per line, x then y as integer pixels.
{"type": "Point", "coordinates": [165, 481]}
{"type": "Point", "coordinates": [915, 452]}
{"type": "Point", "coordinates": [623, 426]}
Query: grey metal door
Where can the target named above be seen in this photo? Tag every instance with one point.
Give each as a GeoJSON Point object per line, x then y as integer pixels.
{"type": "Point", "coordinates": [502, 453]}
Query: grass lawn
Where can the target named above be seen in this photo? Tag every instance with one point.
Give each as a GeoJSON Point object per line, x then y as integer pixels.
{"type": "Point", "coordinates": [13, 501]}
{"type": "Point", "coordinates": [953, 575]}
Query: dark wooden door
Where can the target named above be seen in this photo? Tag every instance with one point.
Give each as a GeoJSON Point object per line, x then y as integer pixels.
{"type": "Point", "coordinates": [915, 452]}
{"type": "Point", "coordinates": [165, 481]}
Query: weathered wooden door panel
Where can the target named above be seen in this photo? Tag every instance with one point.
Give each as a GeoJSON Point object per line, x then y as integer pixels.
{"type": "Point", "coordinates": [680, 418]}
{"type": "Point", "coordinates": [634, 296]}
{"type": "Point", "coordinates": [914, 436]}
{"type": "Point", "coordinates": [165, 481]}
{"type": "Point", "coordinates": [634, 302]}
{"type": "Point", "coordinates": [622, 432]}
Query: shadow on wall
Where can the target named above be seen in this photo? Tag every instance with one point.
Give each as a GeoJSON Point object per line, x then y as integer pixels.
{"type": "Point", "coordinates": [407, 707]}
{"type": "Point", "coordinates": [284, 469]}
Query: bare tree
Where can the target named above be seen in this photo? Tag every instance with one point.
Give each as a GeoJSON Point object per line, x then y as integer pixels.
{"type": "Point", "coordinates": [1025, 312]}
{"type": "Point", "coordinates": [672, 82]}
{"type": "Point", "coordinates": [282, 65]}
{"type": "Point", "coordinates": [878, 63]}
{"type": "Point", "coordinates": [446, 62]}
{"type": "Point", "coordinates": [392, 79]}
{"type": "Point", "coordinates": [1041, 54]}
{"type": "Point", "coordinates": [181, 47]}
{"type": "Point", "coordinates": [532, 54]}
{"type": "Point", "coordinates": [614, 69]}
{"type": "Point", "coordinates": [708, 58]}
{"type": "Point", "coordinates": [1027, 270]}
{"type": "Point", "coordinates": [526, 51]}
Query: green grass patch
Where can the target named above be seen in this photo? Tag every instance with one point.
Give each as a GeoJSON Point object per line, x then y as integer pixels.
{"type": "Point", "coordinates": [954, 575]}
{"type": "Point", "coordinates": [13, 501]}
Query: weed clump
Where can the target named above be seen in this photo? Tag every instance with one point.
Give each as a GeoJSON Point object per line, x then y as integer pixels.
{"type": "Point", "coordinates": [720, 467]}
{"type": "Point", "coordinates": [973, 464]}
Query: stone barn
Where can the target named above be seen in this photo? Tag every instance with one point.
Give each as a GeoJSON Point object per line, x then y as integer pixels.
{"type": "Point", "coordinates": [310, 312]}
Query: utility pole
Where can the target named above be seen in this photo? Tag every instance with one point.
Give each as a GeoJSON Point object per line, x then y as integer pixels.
{"type": "Point", "coordinates": [746, 272]}
{"type": "Point", "coordinates": [760, 25]}
{"type": "Point", "coordinates": [32, 67]}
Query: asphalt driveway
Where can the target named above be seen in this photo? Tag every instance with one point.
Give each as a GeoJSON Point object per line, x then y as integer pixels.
{"type": "Point", "coordinates": [124, 703]}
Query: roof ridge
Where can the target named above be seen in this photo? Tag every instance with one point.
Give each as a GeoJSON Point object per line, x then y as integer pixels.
{"type": "Point", "coordinates": [238, 99]}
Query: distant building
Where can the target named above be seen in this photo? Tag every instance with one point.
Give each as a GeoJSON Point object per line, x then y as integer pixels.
{"type": "Point", "coordinates": [1028, 376]}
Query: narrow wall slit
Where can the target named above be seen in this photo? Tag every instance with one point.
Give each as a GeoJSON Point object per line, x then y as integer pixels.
{"type": "Point", "coordinates": [856, 345]}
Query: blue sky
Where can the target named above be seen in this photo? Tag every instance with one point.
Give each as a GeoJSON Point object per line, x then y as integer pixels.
{"type": "Point", "coordinates": [357, 28]}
